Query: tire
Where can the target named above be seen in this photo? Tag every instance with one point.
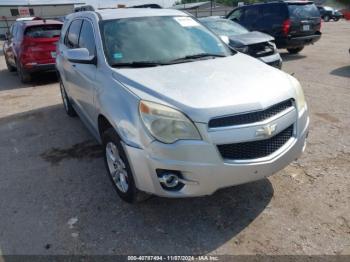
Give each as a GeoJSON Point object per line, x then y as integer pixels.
{"type": "Point", "coordinates": [118, 168]}
{"type": "Point", "coordinates": [24, 76]}
{"type": "Point", "coordinates": [336, 19]}
{"type": "Point", "coordinates": [10, 68]}
{"type": "Point", "coordinates": [326, 18]}
{"type": "Point", "coordinates": [66, 101]}
{"type": "Point", "coordinates": [294, 51]}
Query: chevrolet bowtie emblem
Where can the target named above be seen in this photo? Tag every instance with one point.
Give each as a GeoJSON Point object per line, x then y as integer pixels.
{"type": "Point", "coordinates": [266, 131]}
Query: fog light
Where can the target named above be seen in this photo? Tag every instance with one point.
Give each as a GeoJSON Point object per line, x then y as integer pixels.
{"type": "Point", "coordinates": [170, 180]}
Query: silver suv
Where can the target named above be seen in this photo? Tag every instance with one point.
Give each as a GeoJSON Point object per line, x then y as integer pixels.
{"type": "Point", "coordinates": [179, 114]}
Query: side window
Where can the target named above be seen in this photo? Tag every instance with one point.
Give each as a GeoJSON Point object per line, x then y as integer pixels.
{"type": "Point", "coordinates": [236, 15]}
{"type": "Point", "coordinates": [72, 35]}
{"type": "Point", "coordinates": [273, 14]}
{"type": "Point", "coordinates": [251, 15]}
{"type": "Point", "coordinates": [87, 38]}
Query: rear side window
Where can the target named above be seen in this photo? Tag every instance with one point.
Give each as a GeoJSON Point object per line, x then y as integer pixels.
{"type": "Point", "coordinates": [274, 13]}
{"type": "Point", "coordinates": [43, 31]}
{"type": "Point", "coordinates": [72, 36]}
{"type": "Point", "coordinates": [303, 11]}
{"type": "Point", "coordinates": [251, 15]}
{"type": "Point", "coordinates": [87, 37]}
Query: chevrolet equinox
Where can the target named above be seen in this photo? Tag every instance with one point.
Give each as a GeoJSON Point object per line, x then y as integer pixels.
{"type": "Point", "coordinates": [179, 114]}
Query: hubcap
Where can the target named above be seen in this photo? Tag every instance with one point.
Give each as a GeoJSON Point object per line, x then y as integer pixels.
{"type": "Point", "coordinates": [117, 167]}
{"type": "Point", "coordinates": [64, 97]}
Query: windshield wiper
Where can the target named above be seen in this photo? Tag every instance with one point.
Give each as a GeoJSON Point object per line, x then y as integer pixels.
{"type": "Point", "coordinates": [138, 64]}
{"type": "Point", "coordinates": [196, 56]}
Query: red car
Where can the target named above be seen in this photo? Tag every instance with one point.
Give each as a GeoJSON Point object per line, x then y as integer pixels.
{"type": "Point", "coordinates": [31, 47]}
{"type": "Point", "coordinates": [346, 13]}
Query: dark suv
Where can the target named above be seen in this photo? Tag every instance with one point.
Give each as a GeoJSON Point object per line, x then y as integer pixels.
{"type": "Point", "coordinates": [294, 24]}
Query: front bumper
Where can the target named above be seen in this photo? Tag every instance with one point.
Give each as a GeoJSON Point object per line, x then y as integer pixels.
{"type": "Point", "coordinates": [202, 166]}
{"type": "Point", "coordinates": [274, 60]}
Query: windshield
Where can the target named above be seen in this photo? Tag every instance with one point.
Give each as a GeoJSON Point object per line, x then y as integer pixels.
{"type": "Point", "coordinates": [303, 11]}
{"type": "Point", "coordinates": [43, 31]}
{"type": "Point", "coordinates": [157, 39]}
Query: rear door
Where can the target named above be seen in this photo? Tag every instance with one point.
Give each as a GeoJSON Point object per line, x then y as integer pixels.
{"type": "Point", "coordinates": [272, 17]}
{"type": "Point", "coordinates": [40, 41]}
{"type": "Point", "coordinates": [305, 19]}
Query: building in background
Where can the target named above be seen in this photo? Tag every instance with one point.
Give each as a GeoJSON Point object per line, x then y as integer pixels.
{"type": "Point", "coordinates": [203, 9]}
{"type": "Point", "coordinates": [10, 10]}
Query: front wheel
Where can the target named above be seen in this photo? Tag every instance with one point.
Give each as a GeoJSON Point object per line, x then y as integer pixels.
{"type": "Point", "coordinates": [294, 51]}
{"type": "Point", "coordinates": [326, 18]}
{"type": "Point", "coordinates": [118, 168]}
{"type": "Point", "coordinates": [336, 19]}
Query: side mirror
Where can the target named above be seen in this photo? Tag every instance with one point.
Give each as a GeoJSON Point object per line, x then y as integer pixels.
{"type": "Point", "coordinates": [80, 56]}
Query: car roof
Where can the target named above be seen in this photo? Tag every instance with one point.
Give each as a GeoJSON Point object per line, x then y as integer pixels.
{"type": "Point", "coordinates": [108, 14]}
{"type": "Point", "coordinates": [40, 22]}
{"type": "Point", "coordinates": [280, 2]}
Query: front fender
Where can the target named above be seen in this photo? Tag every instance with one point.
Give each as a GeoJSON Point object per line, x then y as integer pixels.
{"type": "Point", "coordinates": [120, 107]}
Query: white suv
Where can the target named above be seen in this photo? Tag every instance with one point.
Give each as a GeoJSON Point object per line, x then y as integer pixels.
{"type": "Point", "coordinates": [179, 114]}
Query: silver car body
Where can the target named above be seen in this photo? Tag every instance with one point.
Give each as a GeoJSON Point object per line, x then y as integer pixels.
{"type": "Point", "coordinates": [202, 90]}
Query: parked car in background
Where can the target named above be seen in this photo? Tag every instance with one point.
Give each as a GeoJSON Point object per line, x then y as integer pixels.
{"type": "Point", "coordinates": [346, 13]}
{"type": "Point", "coordinates": [179, 114]}
{"type": "Point", "coordinates": [255, 44]}
{"type": "Point", "coordinates": [328, 13]}
{"type": "Point", "coordinates": [293, 24]}
{"type": "Point", "coordinates": [31, 47]}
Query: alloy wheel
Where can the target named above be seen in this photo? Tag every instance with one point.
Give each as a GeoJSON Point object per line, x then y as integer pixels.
{"type": "Point", "coordinates": [117, 167]}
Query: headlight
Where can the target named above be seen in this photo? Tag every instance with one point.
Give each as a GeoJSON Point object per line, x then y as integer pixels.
{"type": "Point", "coordinates": [166, 124]}
{"type": "Point", "coordinates": [242, 49]}
{"type": "Point", "coordinates": [300, 98]}
{"type": "Point", "coordinates": [273, 45]}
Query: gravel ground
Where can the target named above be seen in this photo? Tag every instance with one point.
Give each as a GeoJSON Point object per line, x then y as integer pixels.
{"type": "Point", "coordinates": [55, 197]}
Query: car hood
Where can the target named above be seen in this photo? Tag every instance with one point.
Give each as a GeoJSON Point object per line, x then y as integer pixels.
{"type": "Point", "coordinates": [249, 39]}
{"type": "Point", "coordinates": [208, 88]}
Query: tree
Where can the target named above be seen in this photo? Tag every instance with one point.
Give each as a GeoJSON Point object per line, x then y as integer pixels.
{"type": "Point", "coordinates": [345, 2]}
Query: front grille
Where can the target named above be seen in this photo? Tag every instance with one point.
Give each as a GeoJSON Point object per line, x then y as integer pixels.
{"type": "Point", "coordinates": [261, 49]}
{"type": "Point", "coordinates": [255, 149]}
{"type": "Point", "coordinates": [252, 117]}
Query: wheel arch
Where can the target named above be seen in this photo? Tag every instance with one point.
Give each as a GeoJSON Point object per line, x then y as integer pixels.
{"type": "Point", "coordinates": [103, 124]}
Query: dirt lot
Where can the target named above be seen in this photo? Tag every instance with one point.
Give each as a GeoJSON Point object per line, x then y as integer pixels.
{"type": "Point", "coordinates": [55, 197]}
